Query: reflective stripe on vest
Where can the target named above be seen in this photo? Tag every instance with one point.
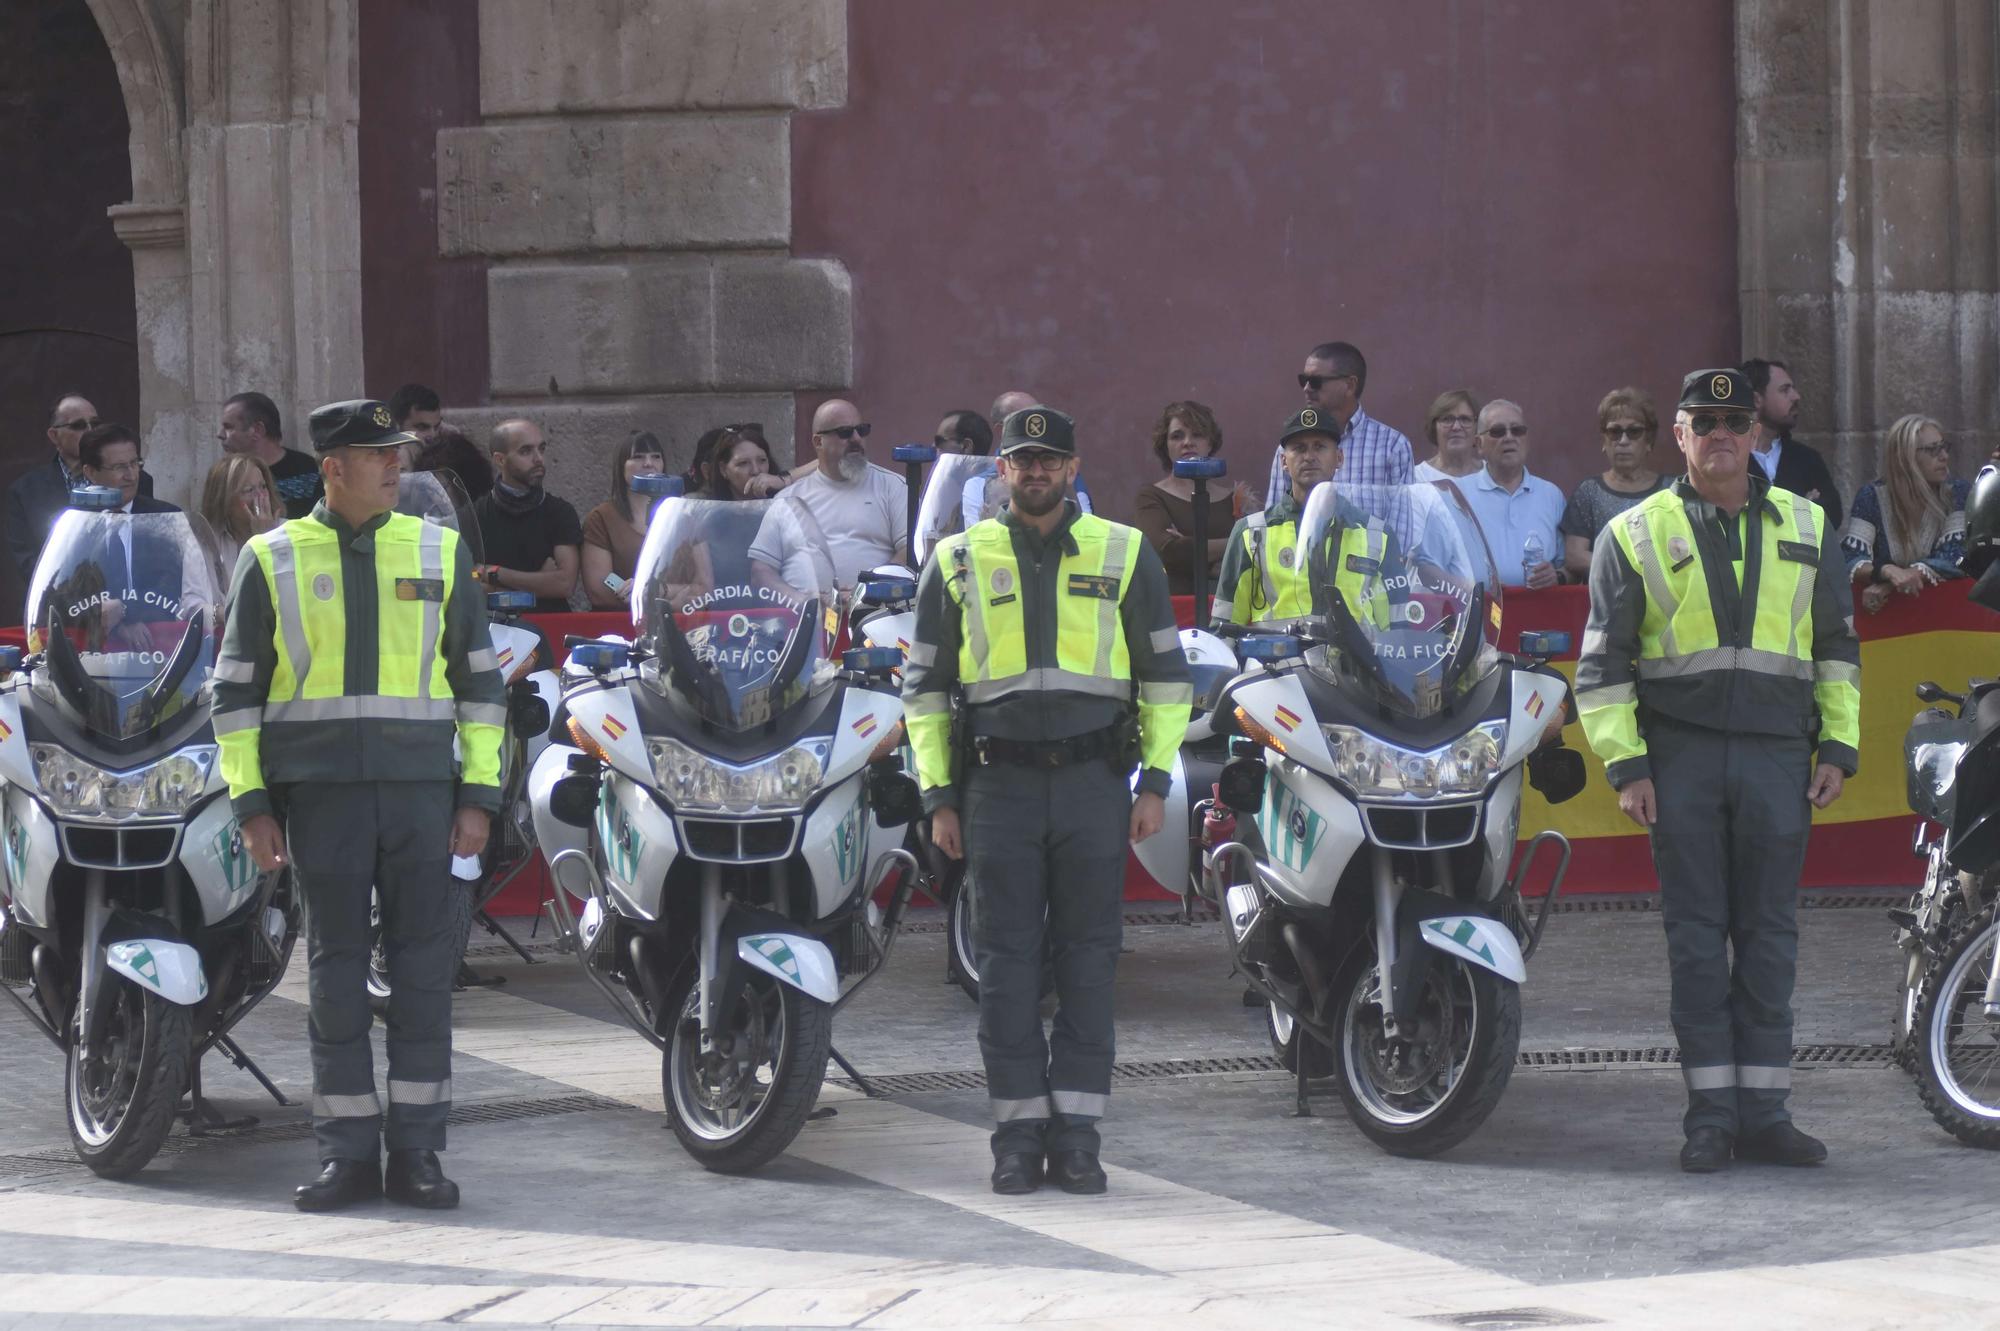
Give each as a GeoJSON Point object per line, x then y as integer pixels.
{"type": "Point", "coordinates": [1091, 655]}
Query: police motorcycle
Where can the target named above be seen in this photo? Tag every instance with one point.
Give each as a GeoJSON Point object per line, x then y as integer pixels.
{"type": "Point", "coordinates": [1948, 1020]}
{"type": "Point", "coordinates": [728, 802]}
{"type": "Point", "coordinates": [532, 693]}
{"type": "Point", "coordinates": [1378, 749]}
{"type": "Point", "coordinates": [136, 930]}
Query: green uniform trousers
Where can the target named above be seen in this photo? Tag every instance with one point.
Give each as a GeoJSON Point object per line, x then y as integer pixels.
{"type": "Point", "coordinates": [394, 838]}
{"type": "Point", "coordinates": [1729, 844]}
{"type": "Point", "coordinates": [1046, 850]}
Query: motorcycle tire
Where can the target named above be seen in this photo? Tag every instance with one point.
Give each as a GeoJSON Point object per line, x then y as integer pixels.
{"type": "Point", "coordinates": [797, 1070]}
{"type": "Point", "coordinates": [120, 1113]}
{"type": "Point", "coordinates": [964, 959]}
{"type": "Point", "coordinates": [1951, 1004]}
{"type": "Point", "coordinates": [1486, 1006]}
{"type": "Point", "coordinates": [1288, 1039]}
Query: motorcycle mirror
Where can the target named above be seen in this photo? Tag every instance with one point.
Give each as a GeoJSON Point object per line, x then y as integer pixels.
{"type": "Point", "coordinates": [871, 660]}
{"type": "Point", "coordinates": [1200, 469]}
{"type": "Point", "coordinates": [1544, 643]}
{"type": "Point", "coordinates": [1269, 647]}
{"type": "Point", "coordinates": [600, 656]}
{"type": "Point", "coordinates": [573, 800]}
{"type": "Point", "coordinates": [893, 794]}
{"type": "Point", "coordinates": [659, 487]}
{"type": "Point", "coordinates": [907, 453]}
{"type": "Point", "coordinates": [96, 498]}
{"type": "Point", "coordinates": [887, 591]}
{"type": "Point", "coordinates": [510, 600]}
{"type": "Point", "coordinates": [1557, 772]}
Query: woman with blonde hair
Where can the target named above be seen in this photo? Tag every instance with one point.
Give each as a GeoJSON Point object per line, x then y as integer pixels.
{"type": "Point", "coordinates": [238, 500]}
{"type": "Point", "coordinates": [1907, 529]}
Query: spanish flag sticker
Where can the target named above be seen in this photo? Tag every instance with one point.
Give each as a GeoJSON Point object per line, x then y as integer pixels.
{"type": "Point", "coordinates": [865, 726]}
{"type": "Point", "coordinates": [1534, 704]}
{"type": "Point", "coordinates": [506, 658]}
{"type": "Point", "coordinates": [1287, 719]}
{"type": "Point", "coordinates": [832, 620]}
{"type": "Point", "coordinates": [1493, 613]}
{"type": "Point", "coordinates": [614, 727]}
{"type": "Point", "coordinates": [6, 732]}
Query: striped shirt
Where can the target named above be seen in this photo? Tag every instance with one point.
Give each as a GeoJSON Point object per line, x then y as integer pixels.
{"type": "Point", "coordinates": [1371, 453]}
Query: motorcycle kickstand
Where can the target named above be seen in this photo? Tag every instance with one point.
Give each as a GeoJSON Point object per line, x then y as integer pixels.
{"type": "Point", "coordinates": [242, 1060]}
{"type": "Point", "coordinates": [866, 1087]}
{"type": "Point", "coordinates": [203, 1118]}
{"type": "Point", "coordinates": [499, 930]}
{"type": "Point", "coordinates": [1301, 1109]}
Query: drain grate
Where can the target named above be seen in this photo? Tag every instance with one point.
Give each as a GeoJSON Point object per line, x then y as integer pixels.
{"type": "Point", "coordinates": [1509, 1319]}
{"type": "Point", "coordinates": [56, 1159]}
{"type": "Point", "coordinates": [1648, 1057]}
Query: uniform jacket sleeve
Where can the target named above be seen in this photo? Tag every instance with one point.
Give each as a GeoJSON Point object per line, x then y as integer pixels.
{"type": "Point", "coordinates": [1836, 659]}
{"type": "Point", "coordinates": [1607, 697]}
{"type": "Point", "coordinates": [1166, 692]}
{"type": "Point", "coordinates": [479, 695]}
{"type": "Point", "coordinates": [1229, 590]}
{"type": "Point", "coordinates": [243, 684]}
{"type": "Point", "coordinates": [930, 674]}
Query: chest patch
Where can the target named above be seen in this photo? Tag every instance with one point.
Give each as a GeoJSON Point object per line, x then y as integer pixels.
{"type": "Point", "coordinates": [1679, 552]}
{"type": "Point", "coordinates": [1798, 552]}
{"type": "Point", "coordinates": [1287, 556]}
{"type": "Point", "coordinates": [323, 586]}
{"type": "Point", "coordinates": [1002, 581]}
{"type": "Point", "coordinates": [1103, 589]}
{"type": "Point", "coordinates": [419, 589]}
{"type": "Point", "coordinates": [1363, 565]}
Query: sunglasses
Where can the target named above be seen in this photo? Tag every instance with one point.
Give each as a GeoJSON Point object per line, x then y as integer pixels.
{"type": "Point", "coordinates": [1036, 459]}
{"type": "Point", "coordinates": [1633, 433]}
{"type": "Point", "coordinates": [1318, 381]}
{"type": "Point", "coordinates": [1502, 431]}
{"type": "Point", "coordinates": [79, 423]}
{"type": "Point", "coordinates": [1704, 423]}
{"type": "Point", "coordinates": [847, 432]}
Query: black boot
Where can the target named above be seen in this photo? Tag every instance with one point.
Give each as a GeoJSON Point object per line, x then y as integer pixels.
{"type": "Point", "coordinates": [1781, 1144]}
{"type": "Point", "coordinates": [1706, 1152]}
{"type": "Point", "coordinates": [415, 1178]}
{"type": "Point", "coordinates": [1077, 1171]}
{"type": "Point", "coordinates": [341, 1183]}
{"type": "Point", "coordinates": [1017, 1173]}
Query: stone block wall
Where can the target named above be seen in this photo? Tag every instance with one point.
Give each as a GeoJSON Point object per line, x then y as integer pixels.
{"type": "Point", "coordinates": [1868, 252]}
{"type": "Point", "coordinates": [630, 186]}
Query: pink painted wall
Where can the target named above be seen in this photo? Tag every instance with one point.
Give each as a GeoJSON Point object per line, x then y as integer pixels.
{"type": "Point", "coordinates": [1120, 203]}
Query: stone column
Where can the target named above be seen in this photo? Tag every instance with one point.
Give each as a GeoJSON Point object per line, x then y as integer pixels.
{"type": "Point", "coordinates": [631, 184]}
{"type": "Point", "coordinates": [1865, 198]}
{"type": "Point", "coordinates": [157, 236]}
{"type": "Point", "coordinates": [274, 206]}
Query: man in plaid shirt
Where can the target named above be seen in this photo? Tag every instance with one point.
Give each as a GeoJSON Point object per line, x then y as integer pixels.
{"type": "Point", "coordinates": [1372, 453]}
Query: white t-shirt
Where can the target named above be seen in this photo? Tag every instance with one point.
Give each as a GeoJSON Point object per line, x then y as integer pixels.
{"type": "Point", "coordinates": [863, 523]}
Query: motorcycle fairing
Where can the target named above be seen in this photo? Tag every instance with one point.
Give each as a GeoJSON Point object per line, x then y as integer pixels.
{"type": "Point", "coordinates": [1277, 702]}
{"type": "Point", "coordinates": [33, 847]}
{"type": "Point", "coordinates": [15, 764]}
{"type": "Point", "coordinates": [866, 718]}
{"type": "Point", "coordinates": [1537, 700]}
{"type": "Point", "coordinates": [225, 877]}
{"type": "Point", "coordinates": [608, 717]}
{"type": "Point", "coordinates": [836, 843]}
{"type": "Point", "coordinates": [1310, 830]}
{"type": "Point", "coordinates": [638, 841]}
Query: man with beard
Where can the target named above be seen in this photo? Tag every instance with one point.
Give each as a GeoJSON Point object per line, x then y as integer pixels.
{"type": "Point", "coordinates": [861, 508]}
{"type": "Point", "coordinates": [533, 540]}
{"type": "Point", "coordinates": [1788, 465]}
{"type": "Point", "coordinates": [1053, 629]}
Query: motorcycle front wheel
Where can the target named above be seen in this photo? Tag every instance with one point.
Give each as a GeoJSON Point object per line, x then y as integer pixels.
{"type": "Point", "coordinates": [740, 1102]}
{"type": "Point", "coordinates": [1957, 1044]}
{"type": "Point", "coordinates": [1430, 1086]}
{"type": "Point", "coordinates": [121, 1091]}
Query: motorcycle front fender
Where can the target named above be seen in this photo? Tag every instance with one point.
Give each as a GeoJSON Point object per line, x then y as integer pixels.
{"type": "Point", "coordinates": [804, 963]}
{"type": "Point", "coordinates": [1476, 939]}
{"type": "Point", "coordinates": [164, 967]}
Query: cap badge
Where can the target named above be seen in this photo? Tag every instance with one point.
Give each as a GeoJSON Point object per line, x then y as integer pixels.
{"type": "Point", "coordinates": [1719, 386]}
{"type": "Point", "coordinates": [323, 586]}
{"type": "Point", "coordinates": [1036, 425]}
{"type": "Point", "coordinates": [1002, 580]}
{"type": "Point", "coordinates": [1308, 419]}
{"type": "Point", "coordinates": [1677, 548]}
{"type": "Point", "coordinates": [381, 417]}
{"type": "Point", "coordinates": [1286, 556]}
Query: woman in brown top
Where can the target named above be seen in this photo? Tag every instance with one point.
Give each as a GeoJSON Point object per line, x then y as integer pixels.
{"type": "Point", "coordinates": [616, 528]}
{"type": "Point", "coordinates": [1164, 510]}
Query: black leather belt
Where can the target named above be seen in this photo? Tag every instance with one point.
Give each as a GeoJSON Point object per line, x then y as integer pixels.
{"type": "Point", "coordinates": [991, 750]}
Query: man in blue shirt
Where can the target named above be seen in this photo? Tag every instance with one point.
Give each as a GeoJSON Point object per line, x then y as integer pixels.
{"type": "Point", "coordinates": [1518, 510]}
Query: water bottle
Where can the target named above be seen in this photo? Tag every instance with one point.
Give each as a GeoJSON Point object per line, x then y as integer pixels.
{"type": "Point", "coordinates": [1533, 555]}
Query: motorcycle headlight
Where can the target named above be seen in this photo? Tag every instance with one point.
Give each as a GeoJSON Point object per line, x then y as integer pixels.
{"type": "Point", "coordinates": [1374, 768]}
{"type": "Point", "coordinates": [80, 789]}
{"type": "Point", "coordinates": [695, 782]}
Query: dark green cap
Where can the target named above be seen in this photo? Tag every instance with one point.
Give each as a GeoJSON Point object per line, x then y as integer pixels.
{"type": "Point", "coordinates": [1038, 427]}
{"type": "Point", "coordinates": [363, 423]}
{"type": "Point", "coordinates": [1725, 388]}
{"type": "Point", "coordinates": [1310, 420]}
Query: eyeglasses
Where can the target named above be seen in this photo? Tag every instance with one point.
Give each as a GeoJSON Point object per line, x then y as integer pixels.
{"type": "Point", "coordinates": [847, 432]}
{"type": "Point", "coordinates": [1937, 450]}
{"type": "Point", "coordinates": [80, 423]}
{"type": "Point", "coordinates": [1704, 423]}
{"type": "Point", "coordinates": [121, 468]}
{"type": "Point", "coordinates": [1502, 431]}
{"type": "Point", "coordinates": [1456, 422]}
{"type": "Point", "coordinates": [1035, 459]}
{"type": "Point", "coordinates": [1632, 433]}
{"type": "Point", "coordinates": [1319, 381]}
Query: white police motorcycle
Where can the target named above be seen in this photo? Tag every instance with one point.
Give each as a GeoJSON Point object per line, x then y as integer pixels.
{"type": "Point", "coordinates": [136, 930]}
{"type": "Point", "coordinates": [1378, 752]}
{"type": "Point", "coordinates": [730, 802]}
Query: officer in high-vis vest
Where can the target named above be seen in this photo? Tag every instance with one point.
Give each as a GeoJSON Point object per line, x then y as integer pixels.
{"type": "Point", "coordinates": [1264, 572]}
{"type": "Point", "coordinates": [356, 652]}
{"type": "Point", "coordinates": [1720, 682]}
{"type": "Point", "coordinates": [1053, 631]}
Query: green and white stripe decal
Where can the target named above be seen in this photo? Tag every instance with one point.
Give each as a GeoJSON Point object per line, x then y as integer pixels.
{"type": "Point", "coordinates": [775, 950]}
{"type": "Point", "coordinates": [1289, 826]}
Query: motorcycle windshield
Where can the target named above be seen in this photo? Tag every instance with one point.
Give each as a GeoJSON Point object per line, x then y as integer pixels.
{"type": "Point", "coordinates": [125, 609]}
{"type": "Point", "coordinates": [735, 602]}
{"type": "Point", "coordinates": [437, 496]}
{"type": "Point", "coordinates": [1405, 594]}
{"type": "Point", "coordinates": [962, 489]}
